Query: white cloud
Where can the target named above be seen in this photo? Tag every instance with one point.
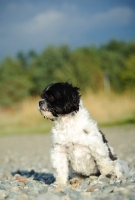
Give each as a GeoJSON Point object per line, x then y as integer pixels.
{"type": "Point", "coordinates": [67, 23]}
{"type": "Point", "coordinates": [53, 22]}
{"type": "Point", "coordinates": [117, 16]}
{"type": "Point", "coordinates": [43, 22]}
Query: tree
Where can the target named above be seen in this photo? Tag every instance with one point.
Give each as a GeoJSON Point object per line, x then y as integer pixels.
{"type": "Point", "coordinates": [46, 67]}
{"type": "Point", "coordinates": [84, 69]}
{"type": "Point", "coordinates": [128, 75]}
{"type": "Point", "coordinates": [14, 83]}
{"type": "Point", "coordinates": [113, 64]}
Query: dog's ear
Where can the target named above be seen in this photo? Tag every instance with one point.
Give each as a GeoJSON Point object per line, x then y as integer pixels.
{"type": "Point", "coordinates": [71, 98]}
{"type": "Point", "coordinates": [75, 98]}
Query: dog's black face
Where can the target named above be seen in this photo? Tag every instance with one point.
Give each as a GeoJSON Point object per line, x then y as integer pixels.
{"type": "Point", "coordinates": [59, 99]}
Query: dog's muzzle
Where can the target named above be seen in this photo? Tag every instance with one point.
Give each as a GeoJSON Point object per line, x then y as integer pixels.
{"type": "Point", "coordinates": [43, 105]}
{"type": "Point", "coordinates": [43, 108]}
{"type": "Point", "coordinates": [41, 102]}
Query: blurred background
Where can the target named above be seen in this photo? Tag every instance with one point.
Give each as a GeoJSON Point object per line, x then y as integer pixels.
{"type": "Point", "coordinates": [90, 43]}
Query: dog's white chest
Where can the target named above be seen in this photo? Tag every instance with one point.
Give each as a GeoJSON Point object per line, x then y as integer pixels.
{"type": "Point", "coordinates": [68, 135]}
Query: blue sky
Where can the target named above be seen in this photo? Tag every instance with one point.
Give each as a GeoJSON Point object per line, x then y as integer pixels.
{"type": "Point", "coordinates": [35, 24]}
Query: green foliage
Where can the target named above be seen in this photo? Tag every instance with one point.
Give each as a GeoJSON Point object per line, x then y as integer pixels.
{"type": "Point", "coordinates": [48, 67]}
{"type": "Point", "coordinates": [120, 47]}
{"type": "Point", "coordinates": [86, 67]}
{"type": "Point", "coordinates": [14, 82]}
{"type": "Point", "coordinates": [128, 74]}
{"type": "Point", "coordinates": [113, 64]}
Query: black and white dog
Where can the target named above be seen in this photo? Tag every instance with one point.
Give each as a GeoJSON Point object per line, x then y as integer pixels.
{"type": "Point", "coordinates": [77, 144]}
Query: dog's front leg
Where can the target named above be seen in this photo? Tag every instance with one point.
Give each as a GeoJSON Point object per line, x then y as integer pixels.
{"type": "Point", "coordinates": [59, 163]}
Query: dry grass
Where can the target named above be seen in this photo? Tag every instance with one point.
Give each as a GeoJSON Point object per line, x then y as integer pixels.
{"type": "Point", "coordinates": [104, 108]}
{"type": "Point", "coordinates": [109, 107]}
{"type": "Point", "coordinates": [23, 118]}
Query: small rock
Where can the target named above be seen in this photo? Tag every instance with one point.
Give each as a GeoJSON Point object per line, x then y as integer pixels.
{"type": "Point", "coordinates": [6, 184]}
{"type": "Point", "coordinates": [109, 188]}
{"type": "Point", "coordinates": [22, 179]}
{"type": "Point", "coordinates": [91, 189]}
{"type": "Point", "coordinates": [75, 195]}
{"type": "Point", "coordinates": [58, 189]}
{"type": "Point", "coordinates": [131, 196]}
{"type": "Point", "coordinates": [85, 184]}
{"type": "Point", "coordinates": [33, 193]}
{"type": "Point", "coordinates": [65, 197]}
{"type": "Point", "coordinates": [104, 179]}
{"type": "Point", "coordinates": [122, 190]}
{"type": "Point", "coordinates": [22, 197]}
{"type": "Point", "coordinates": [12, 195]}
{"type": "Point", "coordinates": [131, 186]}
{"type": "Point", "coordinates": [48, 196]}
{"type": "Point", "coordinates": [3, 194]}
{"type": "Point", "coordinates": [93, 177]}
{"type": "Point", "coordinates": [2, 187]}
{"type": "Point", "coordinates": [16, 189]}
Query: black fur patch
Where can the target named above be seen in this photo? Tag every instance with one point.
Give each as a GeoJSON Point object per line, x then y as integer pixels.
{"type": "Point", "coordinates": [112, 157]}
{"type": "Point", "coordinates": [108, 175]}
{"type": "Point", "coordinates": [96, 174]}
{"type": "Point", "coordinates": [103, 136]}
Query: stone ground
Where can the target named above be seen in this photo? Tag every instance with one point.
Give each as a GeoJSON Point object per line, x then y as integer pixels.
{"type": "Point", "coordinates": [27, 152]}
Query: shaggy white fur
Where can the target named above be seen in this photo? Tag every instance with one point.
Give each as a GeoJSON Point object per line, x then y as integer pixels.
{"type": "Point", "coordinates": [78, 144]}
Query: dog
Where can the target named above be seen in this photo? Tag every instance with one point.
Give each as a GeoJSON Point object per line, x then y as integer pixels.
{"type": "Point", "coordinates": [77, 145]}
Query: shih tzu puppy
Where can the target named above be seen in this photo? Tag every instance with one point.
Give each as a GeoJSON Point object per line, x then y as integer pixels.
{"type": "Point", "coordinates": [77, 144]}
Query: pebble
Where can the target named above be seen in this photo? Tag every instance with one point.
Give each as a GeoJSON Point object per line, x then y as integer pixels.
{"type": "Point", "coordinates": [102, 188]}
{"type": "Point", "coordinates": [3, 194]}
{"type": "Point", "coordinates": [26, 175]}
{"type": "Point", "coordinates": [18, 187]}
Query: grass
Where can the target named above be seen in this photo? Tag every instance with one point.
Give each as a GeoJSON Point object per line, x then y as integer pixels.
{"type": "Point", "coordinates": [111, 109]}
{"type": "Point", "coordinates": [106, 109]}
{"type": "Point", "coordinates": [23, 119]}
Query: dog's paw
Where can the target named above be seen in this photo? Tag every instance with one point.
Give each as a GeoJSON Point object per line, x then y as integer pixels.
{"type": "Point", "coordinates": [57, 184]}
{"type": "Point", "coordinates": [111, 176]}
{"type": "Point", "coordinates": [75, 182]}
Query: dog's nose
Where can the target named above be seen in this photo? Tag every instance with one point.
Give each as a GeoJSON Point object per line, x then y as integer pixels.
{"type": "Point", "coordinates": [41, 103]}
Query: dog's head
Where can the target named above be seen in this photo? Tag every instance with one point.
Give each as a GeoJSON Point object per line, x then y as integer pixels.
{"type": "Point", "coordinates": [59, 99]}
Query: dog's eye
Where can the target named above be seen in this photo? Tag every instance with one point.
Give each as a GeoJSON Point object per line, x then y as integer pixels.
{"type": "Point", "coordinates": [50, 98]}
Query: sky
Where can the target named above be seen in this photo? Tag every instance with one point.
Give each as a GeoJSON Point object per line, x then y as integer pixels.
{"type": "Point", "coordinates": [35, 24]}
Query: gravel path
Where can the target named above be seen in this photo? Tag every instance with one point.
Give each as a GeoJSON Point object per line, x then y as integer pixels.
{"type": "Point", "coordinates": [30, 155]}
